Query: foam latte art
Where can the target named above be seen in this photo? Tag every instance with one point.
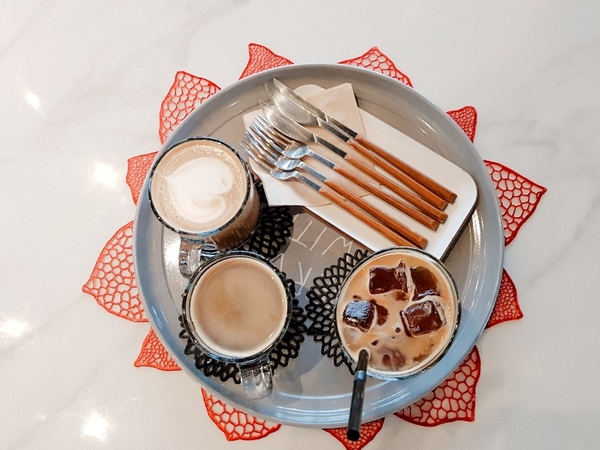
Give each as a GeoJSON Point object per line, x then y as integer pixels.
{"type": "Point", "coordinates": [199, 186]}
{"type": "Point", "coordinates": [198, 189]}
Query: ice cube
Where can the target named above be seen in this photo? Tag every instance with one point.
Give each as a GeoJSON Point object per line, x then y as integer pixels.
{"type": "Point", "coordinates": [359, 314]}
{"type": "Point", "coordinates": [385, 279]}
{"type": "Point", "coordinates": [423, 317]}
{"type": "Point", "coordinates": [424, 281]}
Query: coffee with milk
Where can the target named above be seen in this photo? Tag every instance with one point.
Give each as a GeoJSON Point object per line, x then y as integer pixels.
{"type": "Point", "coordinates": [201, 187]}
{"type": "Point", "coordinates": [401, 305]}
{"type": "Point", "coordinates": [238, 307]}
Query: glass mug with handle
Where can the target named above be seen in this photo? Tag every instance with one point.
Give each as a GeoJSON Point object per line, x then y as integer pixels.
{"type": "Point", "coordinates": [201, 189]}
{"type": "Point", "coordinates": [237, 308]}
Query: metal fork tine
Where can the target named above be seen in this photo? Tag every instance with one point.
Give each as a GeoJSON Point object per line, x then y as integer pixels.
{"type": "Point", "coordinates": [266, 135]}
{"type": "Point", "coordinates": [280, 159]}
{"type": "Point", "coordinates": [284, 141]}
{"type": "Point", "coordinates": [259, 135]}
{"type": "Point", "coordinates": [267, 165]}
{"type": "Point", "coordinates": [263, 148]}
{"type": "Point", "coordinates": [262, 164]}
{"type": "Point", "coordinates": [259, 150]}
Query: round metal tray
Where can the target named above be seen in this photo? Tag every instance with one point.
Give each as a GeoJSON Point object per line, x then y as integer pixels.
{"type": "Point", "coordinates": [311, 391]}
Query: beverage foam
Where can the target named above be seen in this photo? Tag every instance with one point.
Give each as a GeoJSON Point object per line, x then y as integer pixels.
{"type": "Point", "coordinates": [198, 186]}
{"type": "Point", "coordinates": [238, 307]}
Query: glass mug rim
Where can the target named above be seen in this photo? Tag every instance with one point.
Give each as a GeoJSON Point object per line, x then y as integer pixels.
{"type": "Point", "coordinates": [188, 322]}
{"type": "Point", "coordinates": [402, 374]}
{"type": "Point", "coordinates": [200, 235]}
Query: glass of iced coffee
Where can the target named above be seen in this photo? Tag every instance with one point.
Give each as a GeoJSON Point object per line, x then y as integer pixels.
{"type": "Point", "coordinates": [237, 308]}
{"type": "Point", "coordinates": [202, 189]}
{"type": "Point", "coordinates": [401, 305]}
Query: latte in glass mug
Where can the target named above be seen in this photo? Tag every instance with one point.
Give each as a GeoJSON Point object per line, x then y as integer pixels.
{"type": "Point", "coordinates": [202, 188]}
{"type": "Point", "coordinates": [238, 307]}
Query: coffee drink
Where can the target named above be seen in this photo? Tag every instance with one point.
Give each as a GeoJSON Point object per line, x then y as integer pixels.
{"type": "Point", "coordinates": [238, 307]}
{"type": "Point", "coordinates": [201, 187]}
{"type": "Point", "coordinates": [401, 306]}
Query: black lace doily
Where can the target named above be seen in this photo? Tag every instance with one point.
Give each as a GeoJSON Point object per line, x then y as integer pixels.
{"type": "Point", "coordinates": [321, 306]}
{"type": "Point", "coordinates": [269, 239]}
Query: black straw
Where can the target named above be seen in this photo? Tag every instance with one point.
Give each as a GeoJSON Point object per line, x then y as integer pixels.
{"type": "Point", "coordinates": [358, 394]}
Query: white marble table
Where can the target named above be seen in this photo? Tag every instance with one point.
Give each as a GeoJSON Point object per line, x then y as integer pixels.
{"type": "Point", "coordinates": [81, 84]}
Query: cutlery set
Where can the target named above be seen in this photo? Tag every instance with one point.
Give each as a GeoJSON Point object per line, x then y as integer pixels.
{"type": "Point", "coordinates": [278, 142]}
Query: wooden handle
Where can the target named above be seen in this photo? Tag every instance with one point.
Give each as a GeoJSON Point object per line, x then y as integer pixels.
{"type": "Point", "coordinates": [418, 202]}
{"type": "Point", "coordinates": [365, 218]}
{"type": "Point", "coordinates": [400, 205]}
{"type": "Point", "coordinates": [418, 188]}
{"type": "Point", "coordinates": [413, 173]}
{"type": "Point", "coordinates": [391, 223]}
